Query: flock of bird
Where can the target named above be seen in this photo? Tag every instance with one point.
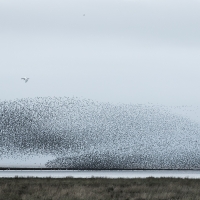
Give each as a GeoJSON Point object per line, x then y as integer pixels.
{"type": "Point", "coordinates": [83, 134]}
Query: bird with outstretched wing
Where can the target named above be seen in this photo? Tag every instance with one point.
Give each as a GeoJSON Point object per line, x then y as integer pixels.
{"type": "Point", "coordinates": [25, 79]}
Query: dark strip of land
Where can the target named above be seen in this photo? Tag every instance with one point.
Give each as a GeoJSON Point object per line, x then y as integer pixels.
{"type": "Point", "coordinates": [90, 169]}
{"type": "Point", "coordinates": [99, 189]}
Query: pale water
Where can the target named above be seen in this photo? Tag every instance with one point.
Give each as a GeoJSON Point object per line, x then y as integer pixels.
{"type": "Point", "coordinates": [104, 173]}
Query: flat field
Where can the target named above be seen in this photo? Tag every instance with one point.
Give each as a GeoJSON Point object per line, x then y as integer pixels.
{"type": "Point", "coordinates": [98, 188]}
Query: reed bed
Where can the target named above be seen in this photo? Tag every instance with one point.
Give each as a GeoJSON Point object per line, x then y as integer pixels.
{"type": "Point", "coordinates": [99, 189]}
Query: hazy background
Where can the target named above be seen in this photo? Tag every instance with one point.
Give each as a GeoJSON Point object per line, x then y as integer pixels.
{"type": "Point", "coordinates": [121, 51]}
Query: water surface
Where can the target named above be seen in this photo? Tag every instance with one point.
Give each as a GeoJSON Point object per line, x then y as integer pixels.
{"type": "Point", "coordinates": [103, 173]}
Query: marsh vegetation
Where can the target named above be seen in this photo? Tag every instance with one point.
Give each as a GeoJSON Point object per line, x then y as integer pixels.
{"type": "Point", "coordinates": [98, 188]}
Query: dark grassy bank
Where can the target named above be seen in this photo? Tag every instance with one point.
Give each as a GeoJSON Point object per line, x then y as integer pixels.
{"type": "Point", "coordinates": [98, 188]}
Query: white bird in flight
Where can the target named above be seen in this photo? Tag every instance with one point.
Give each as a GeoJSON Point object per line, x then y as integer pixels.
{"type": "Point", "coordinates": [25, 79]}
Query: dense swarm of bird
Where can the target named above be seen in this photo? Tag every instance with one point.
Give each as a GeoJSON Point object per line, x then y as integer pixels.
{"type": "Point", "coordinates": [83, 134]}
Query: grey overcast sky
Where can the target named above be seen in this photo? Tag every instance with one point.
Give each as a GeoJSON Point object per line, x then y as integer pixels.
{"type": "Point", "coordinates": [121, 51]}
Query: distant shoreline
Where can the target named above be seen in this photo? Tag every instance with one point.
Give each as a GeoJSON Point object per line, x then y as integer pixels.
{"type": "Point", "coordinates": [47, 169]}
